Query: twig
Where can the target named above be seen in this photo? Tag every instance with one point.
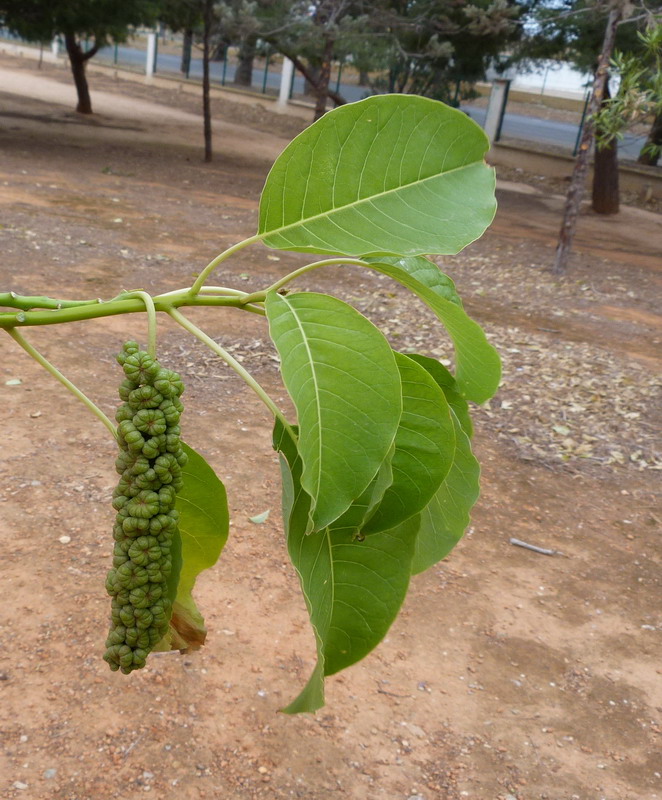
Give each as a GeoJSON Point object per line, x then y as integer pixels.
{"type": "Point", "coordinates": [392, 694]}
{"type": "Point", "coordinates": [542, 550]}
{"type": "Point", "coordinates": [132, 745]}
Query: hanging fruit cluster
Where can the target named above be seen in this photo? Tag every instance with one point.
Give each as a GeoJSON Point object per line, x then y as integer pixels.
{"type": "Point", "coordinates": [150, 465]}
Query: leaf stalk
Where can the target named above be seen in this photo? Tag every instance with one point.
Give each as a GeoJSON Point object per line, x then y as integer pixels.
{"type": "Point", "coordinates": [46, 364]}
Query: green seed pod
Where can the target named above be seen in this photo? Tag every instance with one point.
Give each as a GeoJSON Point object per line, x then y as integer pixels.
{"type": "Point", "coordinates": [145, 397]}
{"type": "Point", "coordinates": [148, 481]}
{"type": "Point", "coordinates": [141, 368]}
{"type": "Point", "coordinates": [166, 466]}
{"type": "Point", "coordinates": [130, 576]}
{"type": "Point", "coordinates": [150, 421]}
{"type": "Point", "coordinates": [170, 412]}
{"type": "Point", "coordinates": [134, 463]}
{"type": "Point", "coordinates": [129, 349]}
{"type": "Point", "coordinates": [161, 523]}
{"type": "Point", "coordinates": [144, 505]}
{"type": "Point", "coordinates": [146, 596]}
{"type": "Point", "coordinates": [122, 597]}
{"type": "Point", "coordinates": [155, 446]}
{"type": "Point", "coordinates": [150, 467]}
{"type": "Point", "coordinates": [134, 526]}
{"type": "Point", "coordinates": [128, 487]}
{"type": "Point", "coordinates": [167, 497]}
{"type": "Point", "coordinates": [116, 636]}
{"type": "Point", "coordinates": [144, 550]}
{"type": "Point", "coordinates": [120, 501]}
{"type": "Point", "coordinates": [126, 387]}
{"type": "Point", "coordinates": [139, 658]}
{"type": "Point", "coordinates": [111, 579]}
{"type": "Point", "coordinates": [132, 438]}
{"type": "Point", "coordinates": [168, 383]}
{"type": "Point", "coordinates": [158, 571]}
{"type": "Point", "coordinates": [124, 412]}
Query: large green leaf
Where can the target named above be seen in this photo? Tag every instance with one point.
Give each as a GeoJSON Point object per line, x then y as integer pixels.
{"type": "Point", "coordinates": [342, 376]}
{"type": "Point", "coordinates": [203, 527]}
{"type": "Point", "coordinates": [354, 518]}
{"type": "Point", "coordinates": [424, 448]}
{"type": "Point", "coordinates": [448, 384]}
{"type": "Point", "coordinates": [353, 586]}
{"type": "Point", "coordinates": [393, 174]}
{"type": "Point", "coordinates": [478, 364]}
{"type": "Point", "coordinates": [446, 516]}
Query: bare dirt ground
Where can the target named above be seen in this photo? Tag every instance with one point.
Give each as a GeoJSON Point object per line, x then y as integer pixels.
{"type": "Point", "coordinates": [508, 674]}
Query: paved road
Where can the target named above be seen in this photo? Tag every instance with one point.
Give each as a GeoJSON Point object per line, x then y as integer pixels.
{"type": "Point", "coordinates": [517, 126]}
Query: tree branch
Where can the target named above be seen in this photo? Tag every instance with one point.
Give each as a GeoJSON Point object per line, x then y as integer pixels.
{"type": "Point", "coordinates": [337, 98]}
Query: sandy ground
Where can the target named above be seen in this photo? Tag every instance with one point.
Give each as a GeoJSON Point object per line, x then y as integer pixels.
{"type": "Point", "coordinates": [508, 674]}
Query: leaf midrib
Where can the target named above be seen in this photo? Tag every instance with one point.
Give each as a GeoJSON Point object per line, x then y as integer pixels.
{"type": "Point", "coordinates": [363, 200]}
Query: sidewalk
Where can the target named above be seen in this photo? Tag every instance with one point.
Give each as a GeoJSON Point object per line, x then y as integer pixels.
{"type": "Point", "coordinates": [52, 91]}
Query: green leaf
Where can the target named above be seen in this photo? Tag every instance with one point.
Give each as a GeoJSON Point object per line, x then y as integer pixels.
{"type": "Point", "coordinates": [393, 174]}
{"type": "Point", "coordinates": [424, 448]}
{"type": "Point", "coordinates": [361, 509]}
{"type": "Point", "coordinates": [203, 527]}
{"type": "Point", "coordinates": [424, 271]}
{"type": "Point", "coordinates": [448, 384]}
{"type": "Point", "coordinates": [353, 589]}
{"type": "Point", "coordinates": [341, 374]}
{"type": "Point", "coordinates": [478, 364]}
{"type": "Point", "coordinates": [446, 517]}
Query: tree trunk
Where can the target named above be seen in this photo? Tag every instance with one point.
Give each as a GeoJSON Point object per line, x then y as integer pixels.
{"type": "Point", "coordinates": [577, 182]}
{"type": "Point", "coordinates": [187, 47]}
{"type": "Point", "coordinates": [311, 81]}
{"type": "Point", "coordinates": [322, 88]}
{"type": "Point", "coordinates": [605, 179]}
{"type": "Point", "coordinates": [244, 73]}
{"type": "Point", "coordinates": [364, 78]}
{"type": "Point", "coordinates": [77, 59]}
{"type": "Point", "coordinates": [654, 138]}
{"type": "Point", "coordinates": [605, 174]}
{"type": "Point", "coordinates": [206, 104]}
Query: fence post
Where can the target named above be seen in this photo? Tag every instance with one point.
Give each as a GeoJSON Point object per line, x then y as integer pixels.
{"type": "Point", "coordinates": [339, 74]}
{"type": "Point", "coordinates": [496, 108]}
{"type": "Point", "coordinates": [151, 53]}
{"type": "Point", "coordinates": [286, 78]}
{"type": "Point", "coordinates": [266, 72]}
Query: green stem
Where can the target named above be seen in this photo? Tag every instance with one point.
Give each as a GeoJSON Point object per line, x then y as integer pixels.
{"type": "Point", "coordinates": [151, 319]}
{"type": "Point", "coordinates": [206, 272]}
{"type": "Point", "coordinates": [258, 297]}
{"type": "Point", "coordinates": [118, 306]}
{"type": "Point", "coordinates": [26, 302]}
{"type": "Point", "coordinates": [207, 290]}
{"type": "Point", "coordinates": [236, 366]}
{"type": "Point", "coordinates": [203, 300]}
{"type": "Point", "coordinates": [30, 350]}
